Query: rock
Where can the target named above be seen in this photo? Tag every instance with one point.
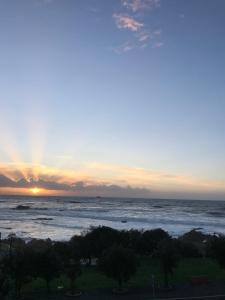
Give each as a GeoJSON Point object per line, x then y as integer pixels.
{"type": "Point", "coordinates": [43, 219]}
{"type": "Point", "coordinates": [22, 207]}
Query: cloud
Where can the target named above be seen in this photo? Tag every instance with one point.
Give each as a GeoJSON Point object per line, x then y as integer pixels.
{"type": "Point", "coordinates": [158, 45]}
{"type": "Point", "coordinates": [78, 188]}
{"type": "Point", "coordinates": [110, 190]}
{"type": "Point", "coordinates": [93, 179]}
{"type": "Point", "coordinates": [141, 34]}
{"type": "Point", "coordinates": [144, 37]}
{"type": "Point", "coordinates": [148, 35]}
{"type": "Point", "coordinates": [157, 181]}
{"type": "Point", "coordinates": [138, 5]}
{"type": "Point", "coordinates": [6, 182]}
{"type": "Point", "coordinates": [125, 47]}
{"type": "Point", "coordinates": [140, 41]}
{"type": "Point", "coordinates": [127, 22]}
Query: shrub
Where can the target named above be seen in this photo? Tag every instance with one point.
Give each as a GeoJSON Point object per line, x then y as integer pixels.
{"type": "Point", "coordinates": [188, 249]}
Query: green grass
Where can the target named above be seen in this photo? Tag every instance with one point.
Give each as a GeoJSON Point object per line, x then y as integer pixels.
{"type": "Point", "coordinates": [92, 279]}
{"type": "Point", "coordinates": [196, 267]}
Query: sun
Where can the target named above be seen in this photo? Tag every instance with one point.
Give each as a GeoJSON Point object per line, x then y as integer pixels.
{"type": "Point", "coordinates": [35, 190]}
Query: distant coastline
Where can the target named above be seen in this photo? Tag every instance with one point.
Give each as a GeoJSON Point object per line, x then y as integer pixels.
{"type": "Point", "coordinates": [107, 197]}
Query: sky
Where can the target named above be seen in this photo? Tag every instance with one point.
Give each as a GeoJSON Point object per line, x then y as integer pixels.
{"type": "Point", "coordinates": [113, 98]}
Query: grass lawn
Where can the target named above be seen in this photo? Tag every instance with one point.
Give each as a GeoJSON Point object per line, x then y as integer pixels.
{"type": "Point", "coordinates": [92, 279]}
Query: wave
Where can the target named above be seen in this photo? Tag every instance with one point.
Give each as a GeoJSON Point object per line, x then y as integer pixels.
{"type": "Point", "coordinates": [62, 216]}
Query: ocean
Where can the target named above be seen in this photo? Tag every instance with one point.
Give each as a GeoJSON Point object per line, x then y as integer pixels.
{"type": "Point", "coordinates": [59, 218]}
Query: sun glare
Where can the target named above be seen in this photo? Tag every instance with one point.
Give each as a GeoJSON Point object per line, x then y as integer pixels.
{"type": "Point", "coordinates": [35, 190]}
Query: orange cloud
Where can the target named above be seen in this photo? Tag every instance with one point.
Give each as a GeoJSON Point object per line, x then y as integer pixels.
{"type": "Point", "coordinates": [95, 178]}
{"type": "Point", "coordinates": [127, 22]}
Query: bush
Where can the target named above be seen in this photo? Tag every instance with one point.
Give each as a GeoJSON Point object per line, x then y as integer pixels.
{"type": "Point", "coordinates": [188, 249]}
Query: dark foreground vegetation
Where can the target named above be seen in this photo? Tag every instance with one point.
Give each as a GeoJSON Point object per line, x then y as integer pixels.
{"type": "Point", "coordinates": [105, 258]}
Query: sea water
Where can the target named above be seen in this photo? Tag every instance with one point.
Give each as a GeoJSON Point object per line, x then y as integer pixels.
{"type": "Point", "coordinates": [59, 218]}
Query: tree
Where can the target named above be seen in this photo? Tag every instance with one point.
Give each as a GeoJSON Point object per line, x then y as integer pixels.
{"type": "Point", "coordinates": [15, 263]}
{"type": "Point", "coordinates": [150, 240]}
{"type": "Point", "coordinates": [73, 270]}
{"type": "Point", "coordinates": [101, 238]}
{"type": "Point", "coordinates": [216, 249]}
{"type": "Point", "coordinates": [80, 248]}
{"type": "Point", "coordinates": [48, 266]}
{"type": "Point", "coordinates": [18, 266]}
{"type": "Point", "coordinates": [168, 257]}
{"type": "Point", "coordinates": [131, 239]}
{"type": "Point", "coordinates": [44, 261]}
{"type": "Point", "coordinates": [63, 250]}
{"type": "Point", "coordinates": [118, 263]}
{"type": "Point", "coordinates": [4, 280]}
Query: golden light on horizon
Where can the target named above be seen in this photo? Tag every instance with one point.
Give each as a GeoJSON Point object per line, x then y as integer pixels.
{"type": "Point", "coordinates": [35, 190]}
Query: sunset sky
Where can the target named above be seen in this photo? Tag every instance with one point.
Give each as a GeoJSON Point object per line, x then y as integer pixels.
{"type": "Point", "coordinates": [113, 98]}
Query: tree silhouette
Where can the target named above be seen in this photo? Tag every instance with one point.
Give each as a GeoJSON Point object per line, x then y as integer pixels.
{"type": "Point", "coordinates": [168, 257]}
{"type": "Point", "coordinates": [118, 263]}
{"type": "Point", "coordinates": [72, 270]}
{"type": "Point", "coordinates": [216, 249]}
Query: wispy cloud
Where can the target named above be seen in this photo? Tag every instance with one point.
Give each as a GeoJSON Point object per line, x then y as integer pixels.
{"type": "Point", "coordinates": [125, 47]}
{"type": "Point", "coordinates": [146, 35]}
{"type": "Point", "coordinates": [141, 40]}
{"type": "Point", "coordinates": [127, 22]}
{"type": "Point", "coordinates": [158, 45]}
{"type": "Point", "coordinates": [138, 5]}
{"type": "Point", "coordinates": [141, 35]}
